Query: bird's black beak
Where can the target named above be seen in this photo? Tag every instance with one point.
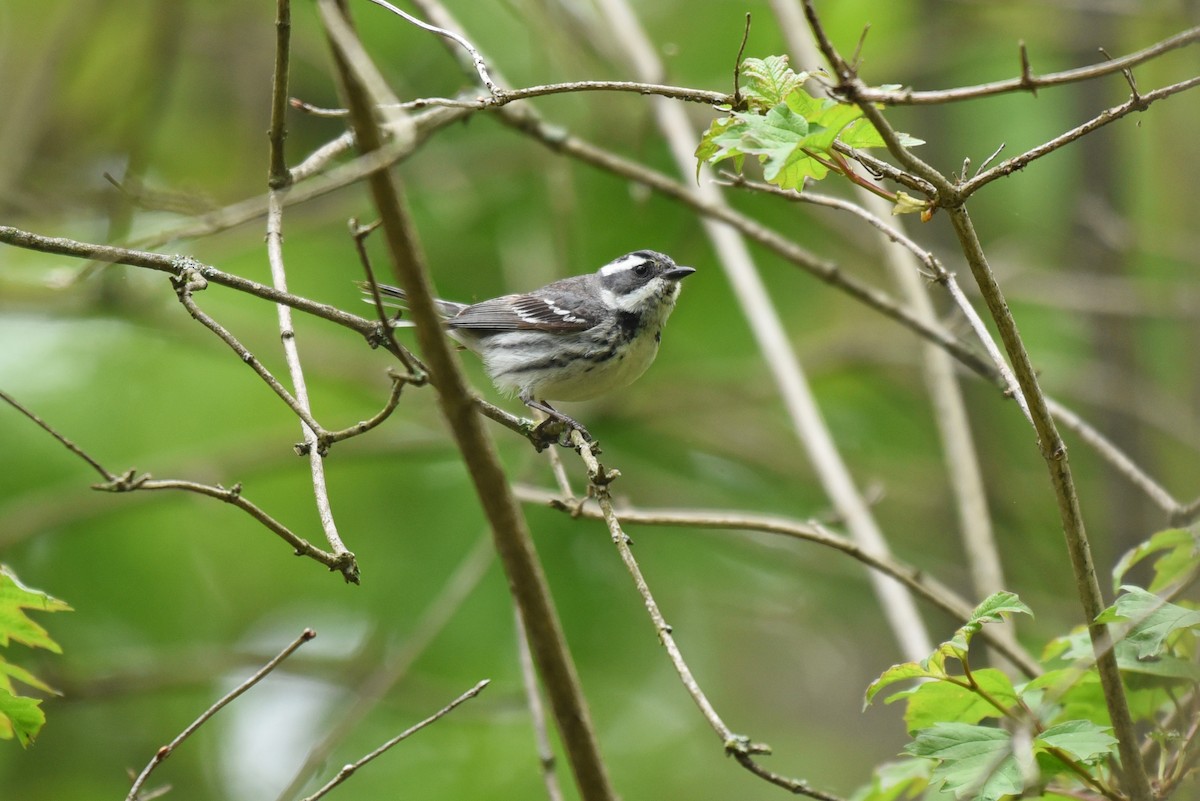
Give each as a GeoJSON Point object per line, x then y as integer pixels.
{"type": "Point", "coordinates": [677, 273]}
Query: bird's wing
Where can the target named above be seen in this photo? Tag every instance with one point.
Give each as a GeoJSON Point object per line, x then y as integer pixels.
{"type": "Point", "coordinates": [524, 313]}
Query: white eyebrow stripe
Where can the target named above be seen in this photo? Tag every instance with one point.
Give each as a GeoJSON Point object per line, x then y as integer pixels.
{"type": "Point", "coordinates": [624, 263]}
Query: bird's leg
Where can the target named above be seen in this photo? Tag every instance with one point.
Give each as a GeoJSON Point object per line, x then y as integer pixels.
{"type": "Point", "coordinates": [554, 416]}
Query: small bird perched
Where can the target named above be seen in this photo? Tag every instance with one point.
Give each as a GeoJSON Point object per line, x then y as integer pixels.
{"type": "Point", "coordinates": [574, 339]}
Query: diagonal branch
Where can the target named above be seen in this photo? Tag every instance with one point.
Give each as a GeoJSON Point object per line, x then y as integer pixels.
{"type": "Point", "coordinates": [131, 481]}
{"type": "Point", "coordinates": [169, 748]}
{"type": "Point", "coordinates": [510, 532]}
{"type": "Point", "coordinates": [917, 580]}
{"type": "Point", "coordinates": [736, 745]}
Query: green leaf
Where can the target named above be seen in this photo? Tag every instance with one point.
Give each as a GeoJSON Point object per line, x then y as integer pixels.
{"type": "Point", "coordinates": [766, 82]}
{"type": "Point", "coordinates": [936, 702]}
{"type": "Point", "coordinates": [890, 781]}
{"type": "Point", "coordinates": [1180, 557]}
{"type": "Point", "coordinates": [1152, 620]}
{"type": "Point", "coordinates": [907, 204]}
{"type": "Point", "coordinates": [10, 671]}
{"type": "Point", "coordinates": [1082, 740]}
{"type": "Point", "coordinates": [861, 134]}
{"type": "Point", "coordinates": [974, 762]}
{"type": "Point", "coordinates": [791, 132]}
{"type": "Point", "coordinates": [900, 672]}
{"type": "Point", "coordinates": [995, 607]}
{"type": "Point", "coordinates": [20, 716]}
{"type": "Point", "coordinates": [14, 623]}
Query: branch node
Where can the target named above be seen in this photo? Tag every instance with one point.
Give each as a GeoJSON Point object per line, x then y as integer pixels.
{"type": "Point", "coordinates": [1028, 81]}
{"type": "Point", "coordinates": [126, 482]}
{"type": "Point", "coordinates": [1136, 99]}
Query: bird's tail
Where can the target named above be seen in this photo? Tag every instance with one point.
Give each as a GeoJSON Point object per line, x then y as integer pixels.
{"type": "Point", "coordinates": [394, 297]}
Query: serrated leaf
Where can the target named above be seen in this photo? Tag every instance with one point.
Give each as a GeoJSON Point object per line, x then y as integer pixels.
{"type": "Point", "coordinates": [950, 702]}
{"type": "Point", "coordinates": [1083, 740]}
{"type": "Point", "coordinates": [900, 672]}
{"type": "Point", "coordinates": [766, 82]}
{"type": "Point", "coordinates": [1151, 620]}
{"type": "Point", "coordinates": [861, 134]}
{"type": "Point", "coordinates": [993, 609]}
{"type": "Point", "coordinates": [895, 780]}
{"type": "Point", "coordinates": [21, 717]}
{"type": "Point", "coordinates": [9, 671]}
{"type": "Point", "coordinates": [996, 606]}
{"type": "Point", "coordinates": [14, 623]}
{"type": "Point", "coordinates": [1181, 558]}
{"type": "Point", "coordinates": [832, 120]}
{"type": "Point", "coordinates": [974, 762]}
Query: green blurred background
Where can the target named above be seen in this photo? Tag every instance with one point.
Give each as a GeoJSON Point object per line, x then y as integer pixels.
{"type": "Point", "coordinates": [178, 598]}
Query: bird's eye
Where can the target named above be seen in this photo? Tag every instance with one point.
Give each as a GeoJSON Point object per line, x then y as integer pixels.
{"type": "Point", "coordinates": [642, 270]}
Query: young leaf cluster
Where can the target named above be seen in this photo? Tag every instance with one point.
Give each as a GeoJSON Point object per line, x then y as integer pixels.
{"type": "Point", "coordinates": [979, 737]}
{"type": "Point", "coordinates": [791, 132]}
{"type": "Point", "coordinates": [22, 716]}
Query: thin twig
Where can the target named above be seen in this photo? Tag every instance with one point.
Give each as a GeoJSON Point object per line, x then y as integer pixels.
{"type": "Point", "coordinates": [476, 59]}
{"type": "Point", "coordinates": [398, 383]}
{"type": "Point", "coordinates": [348, 770]}
{"type": "Point", "coordinates": [316, 441]}
{"type": "Point", "coordinates": [470, 102]}
{"type": "Point", "coordinates": [170, 747]}
{"type": "Point", "coordinates": [737, 745]}
{"type": "Point", "coordinates": [1027, 81]}
{"type": "Point", "coordinates": [190, 282]}
{"type": "Point", "coordinates": [737, 65]}
{"type": "Point", "coordinates": [66, 443]}
{"type": "Point", "coordinates": [388, 672]}
{"type": "Point", "coordinates": [417, 371]}
{"type": "Point", "coordinates": [537, 712]}
{"type": "Point", "coordinates": [1134, 103]}
{"type": "Point", "coordinates": [131, 481]}
{"type": "Point", "coordinates": [917, 580]}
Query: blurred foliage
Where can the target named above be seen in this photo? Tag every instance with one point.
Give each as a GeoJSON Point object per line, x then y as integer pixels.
{"type": "Point", "coordinates": [180, 597]}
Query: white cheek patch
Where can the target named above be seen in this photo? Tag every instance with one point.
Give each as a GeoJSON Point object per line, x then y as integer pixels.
{"type": "Point", "coordinates": [636, 300]}
{"type": "Point", "coordinates": [621, 264]}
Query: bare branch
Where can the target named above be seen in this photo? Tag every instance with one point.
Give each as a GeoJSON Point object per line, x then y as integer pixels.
{"type": "Point", "coordinates": [1028, 81]}
{"type": "Point", "coordinates": [917, 580]}
{"type": "Point", "coordinates": [1134, 103]}
{"type": "Point", "coordinates": [169, 748]}
{"type": "Point", "coordinates": [736, 745]}
{"type": "Point", "coordinates": [469, 102]}
{"type": "Point", "coordinates": [189, 282]}
{"type": "Point", "coordinates": [537, 712]}
{"type": "Point", "coordinates": [476, 59]}
{"type": "Point", "coordinates": [389, 672]}
{"type": "Point", "coordinates": [349, 770]}
{"type": "Point", "coordinates": [509, 528]}
{"type": "Point", "coordinates": [130, 481]}
{"type": "Point", "coordinates": [278, 176]}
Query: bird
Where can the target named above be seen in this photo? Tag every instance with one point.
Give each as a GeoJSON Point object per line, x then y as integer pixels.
{"type": "Point", "coordinates": [571, 340]}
